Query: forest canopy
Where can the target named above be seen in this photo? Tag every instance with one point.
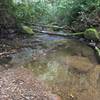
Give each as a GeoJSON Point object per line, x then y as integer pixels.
{"type": "Point", "coordinates": [55, 12]}
{"type": "Point", "coordinates": [48, 11]}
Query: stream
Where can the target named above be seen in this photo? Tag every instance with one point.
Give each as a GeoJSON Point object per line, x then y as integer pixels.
{"type": "Point", "coordinates": [69, 67]}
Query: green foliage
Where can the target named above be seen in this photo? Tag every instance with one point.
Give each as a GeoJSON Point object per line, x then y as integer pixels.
{"type": "Point", "coordinates": [49, 11]}
{"type": "Point", "coordinates": [31, 11]}
{"type": "Point", "coordinates": [6, 13]}
{"type": "Point", "coordinates": [56, 11]}
{"type": "Point", "coordinates": [68, 10]}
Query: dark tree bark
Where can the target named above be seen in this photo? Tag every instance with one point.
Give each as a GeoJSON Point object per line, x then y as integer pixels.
{"type": "Point", "coordinates": [6, 18]}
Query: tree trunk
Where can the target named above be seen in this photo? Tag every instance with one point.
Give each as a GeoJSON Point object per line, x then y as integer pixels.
{"type": "Point", "coordinates": [6, 19]}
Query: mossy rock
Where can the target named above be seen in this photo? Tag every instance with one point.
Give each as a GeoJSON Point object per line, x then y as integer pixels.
{"type": "Point", "coordinates": [92, 34]}
{"type": "Point", "coordinates": [79, 64]}
{"type": "Point", "coordinates": [27, 30]}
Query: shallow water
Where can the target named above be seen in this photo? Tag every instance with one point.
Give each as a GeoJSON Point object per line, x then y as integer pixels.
{"type": "Point", "coordinates": [68, 66]}
{"type": "Point", "coordinates": [67, 72]}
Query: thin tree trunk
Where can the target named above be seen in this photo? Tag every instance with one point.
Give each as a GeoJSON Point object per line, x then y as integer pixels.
{"type": "Point", "coordinates": [6, 18]}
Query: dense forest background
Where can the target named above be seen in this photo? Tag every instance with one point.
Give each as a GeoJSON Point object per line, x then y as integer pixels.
{"type": "Point", "coordinates": [61, 12]}
{"type": "Point", "coordinates": [76, 14]}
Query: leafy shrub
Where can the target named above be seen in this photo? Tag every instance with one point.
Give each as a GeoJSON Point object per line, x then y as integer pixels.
{"type": "Point", "coordinates": [52, 11]}
{"type": "Point", "coordinates": [31, 12]}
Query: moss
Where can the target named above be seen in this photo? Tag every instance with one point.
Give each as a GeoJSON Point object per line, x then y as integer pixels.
{"type": "Point", "coordinates": [27, 30]}
{"type": "Point", "coordinates": [92, 34]}
{"type": "Point", "coordinates": [98, 50]}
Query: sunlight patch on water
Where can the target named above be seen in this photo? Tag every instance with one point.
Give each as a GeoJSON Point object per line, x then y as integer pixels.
{"type": "Point", "coordinates": [52, 71]}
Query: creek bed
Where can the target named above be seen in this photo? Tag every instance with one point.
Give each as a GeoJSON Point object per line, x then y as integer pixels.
{"type": "Point", "coordinates": [66, 65]}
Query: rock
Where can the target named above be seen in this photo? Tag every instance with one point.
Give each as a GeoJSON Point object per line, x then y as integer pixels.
{"type": "Point", "coordinates": [93, 90]}
{"type": "Point", "coordinates": [21, 57]}
{"type": "Point", "coordinates": [27, 30]}
{"type": "Point", "coordinates": [55, 97]}
{"type": "Point", "coordinates": [92, 34]}
{"type": "Point", "coordinates": [80, 49]}
{"type": "Point", "coordinates": [79, 64]}
{"type": "Point", "coordinates": [94, 76]}
{"type": "Point", "coordinates": [20, 84]}
{"type": "Point", "coordinates": [90, 94]}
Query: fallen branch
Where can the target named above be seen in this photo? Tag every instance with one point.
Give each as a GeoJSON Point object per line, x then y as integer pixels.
{"type": "Point", "coordinates": [56, 33]}
{"type": "Point", "coordinates": [6, 53]}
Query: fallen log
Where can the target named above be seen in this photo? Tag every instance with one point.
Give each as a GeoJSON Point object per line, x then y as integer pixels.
{"type": "Point", "coordinates": [69, 36]}
{"type": "Point", "coordinates": [54, 33]}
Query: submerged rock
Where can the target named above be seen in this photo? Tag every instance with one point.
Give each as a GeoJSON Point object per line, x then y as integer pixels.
{"type": "Point", "coordinates": [89, 94]}
{"type": "Point", "coordinates": [94, 77]}
{"type": "Point", "coordinates": [20, 84]}
{"type": "Point", "coordinates": [80, 64]}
